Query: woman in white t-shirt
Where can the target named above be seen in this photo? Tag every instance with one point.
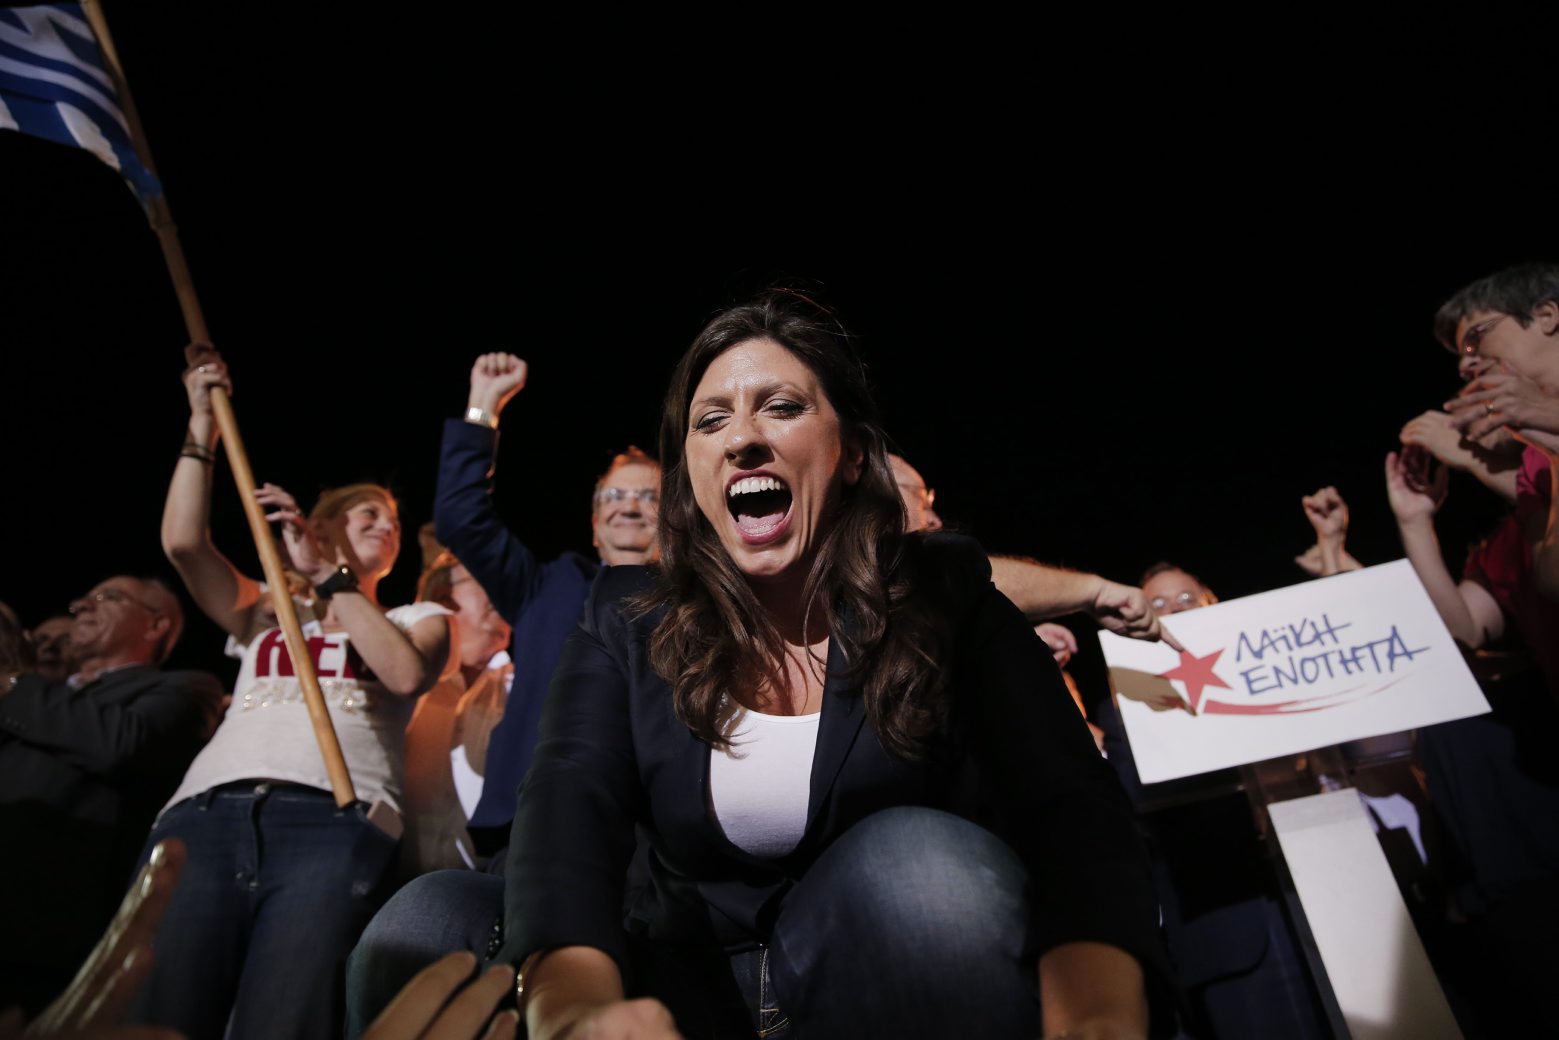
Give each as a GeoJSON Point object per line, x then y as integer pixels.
{"type": "Point", "coordinates": [279, 880]}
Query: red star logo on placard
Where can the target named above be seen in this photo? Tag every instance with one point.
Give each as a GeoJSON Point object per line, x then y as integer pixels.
{"type": "Point", "coordinates": [1196, 672]}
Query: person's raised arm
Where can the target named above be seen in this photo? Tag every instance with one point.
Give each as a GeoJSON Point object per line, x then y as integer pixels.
{"type": "Point", "coordinates": [1041, 591]}
{"type": "Point", "coordinates": [222, 593]}
{"type": "Point", "coordinates": [1328, 514]}
{"type": "Point", "coordinates": [1468, 610]}
{"type": "Point", "coordinates": [464, 517]}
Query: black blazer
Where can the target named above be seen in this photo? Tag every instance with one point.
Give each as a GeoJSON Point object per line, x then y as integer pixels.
{"type": "Point", "coordinates": [1017, 758]}
{"type": "Point", "coordinates": [82, 775]}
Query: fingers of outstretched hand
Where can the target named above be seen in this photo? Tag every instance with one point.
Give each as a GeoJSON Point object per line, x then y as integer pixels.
{"type": "Point", "coordinates": [417, 1005]}
{"type": "Point", "coordinates": [505, 1026]}
{"type": "Point", "coordinates": [278, 499]}
{"type": "Point", "coordinates": [643, 1019]}
{"type": "Point", "coordinates": [118, 966]}
{"type": "Point", "coordinates": [465, 1015]}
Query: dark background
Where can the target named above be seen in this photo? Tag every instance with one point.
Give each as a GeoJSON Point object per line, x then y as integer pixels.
{"type": "Point", "coordinates": [1113, 317]}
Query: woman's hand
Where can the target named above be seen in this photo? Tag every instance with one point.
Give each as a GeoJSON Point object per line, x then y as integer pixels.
{"type": "Point", "coordinates": [495, 378]}
{"type": "Point", "coordinates": [642, 1019]}
{"type": "Point", "coordinates": [424, 1010]}
{"type": "Point", "coordinates": [1497, 397]}
{"type": "Point", "coordinates": [1411, 505]}
{"type": "Point", "coordinates": [206, 369]}
{"type": "Point", "coordinates": [1437, 434]}
{"type": "Point", "coordinates": [308, 557]}
{"type": "Point", "coordinates": [116, 969]}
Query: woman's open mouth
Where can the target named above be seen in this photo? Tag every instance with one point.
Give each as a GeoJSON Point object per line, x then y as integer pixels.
{"type": "Point", "coordinates": [760, 506]}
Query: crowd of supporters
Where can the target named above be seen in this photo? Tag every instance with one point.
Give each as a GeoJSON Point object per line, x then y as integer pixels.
{"type": "Point", "coordinates": [271, 909]}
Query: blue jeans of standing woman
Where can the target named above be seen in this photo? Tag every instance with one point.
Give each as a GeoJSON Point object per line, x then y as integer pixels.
{"type": "Point", "coordinates": [277, 886]}
{"type": "Point", "coordinates": [914, 923]}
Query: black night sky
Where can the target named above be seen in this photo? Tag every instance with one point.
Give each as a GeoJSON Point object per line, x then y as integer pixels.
{"type": "Point", "coordinates": [1107, 332]}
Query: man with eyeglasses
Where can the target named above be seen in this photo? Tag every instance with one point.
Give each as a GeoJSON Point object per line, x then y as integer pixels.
{"type": "Point", "coordinates": [541, 599]}
{"type": "Point", "coordinates": [84, 766]}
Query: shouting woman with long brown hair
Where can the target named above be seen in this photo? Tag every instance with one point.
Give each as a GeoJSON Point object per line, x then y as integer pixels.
{"type": "Point", "coordinates": [871, 807]}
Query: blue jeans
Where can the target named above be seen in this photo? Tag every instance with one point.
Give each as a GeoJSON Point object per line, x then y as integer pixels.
{"type": "Point", "coordinates": [430, 916]}
{"type": "Point", "coordinates": [277, 885]}
{"type": "Point", "coordinates": [914, 923]}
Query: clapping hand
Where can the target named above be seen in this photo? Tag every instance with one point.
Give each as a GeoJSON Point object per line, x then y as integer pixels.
{"type": "Point", "coordinates": [1496, 396]}
{"type": "Point", "coordinates": [309, 558]}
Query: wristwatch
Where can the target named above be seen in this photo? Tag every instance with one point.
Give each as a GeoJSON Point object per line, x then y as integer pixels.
{"type": "Point", "coordinates": [341, 581]}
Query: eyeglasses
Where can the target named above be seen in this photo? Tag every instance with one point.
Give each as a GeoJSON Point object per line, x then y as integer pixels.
{"type": "Point", "coordinates": [109, 595]}
{"type": "Point", "coordinates": [1474, 338]}
{"type": "Point", "coordinates": [613, 495]}
{"type": "Point", "coordinates": [1184, 599]}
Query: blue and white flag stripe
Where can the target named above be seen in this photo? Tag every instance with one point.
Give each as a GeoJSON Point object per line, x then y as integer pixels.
{"type": "Point", "coordinates": [53, 85]}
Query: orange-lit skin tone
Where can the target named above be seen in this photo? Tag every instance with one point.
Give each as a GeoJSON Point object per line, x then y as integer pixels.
{"type": "Point", "coordinates": [624, 531]}
{"type": "Point", "coordinates": [1512, 368]}
{"type": "Point", "coordinates": [364, 536]}
{"type": "Point", "coordinates": [482, 630]}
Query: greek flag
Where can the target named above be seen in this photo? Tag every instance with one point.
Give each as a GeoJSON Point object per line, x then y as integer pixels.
{"type": "Point", "coordinates": [54, 85]}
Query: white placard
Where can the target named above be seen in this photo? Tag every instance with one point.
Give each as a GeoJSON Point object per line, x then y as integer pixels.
{"type": "Point", "coordinates": [1342, 658]}
{"type": "Point", "coordinates": [1377, 968]}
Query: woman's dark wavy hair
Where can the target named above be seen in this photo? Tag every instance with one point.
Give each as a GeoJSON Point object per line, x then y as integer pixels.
{"type": "Point", "coordinates": [714, 635]}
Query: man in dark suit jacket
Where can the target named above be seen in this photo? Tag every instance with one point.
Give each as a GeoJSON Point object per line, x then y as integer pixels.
{"type": "Point", "coordinates": [541, 599]}
{"type": "Point", "coordinates": [85, 765]}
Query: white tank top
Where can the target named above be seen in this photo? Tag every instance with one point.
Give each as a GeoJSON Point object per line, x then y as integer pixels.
{"type": "Point", "coordinates": [760, 787]}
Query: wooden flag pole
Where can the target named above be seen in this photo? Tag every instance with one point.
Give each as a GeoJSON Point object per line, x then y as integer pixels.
{"type": "Point", "coordinates": [195, 322]}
